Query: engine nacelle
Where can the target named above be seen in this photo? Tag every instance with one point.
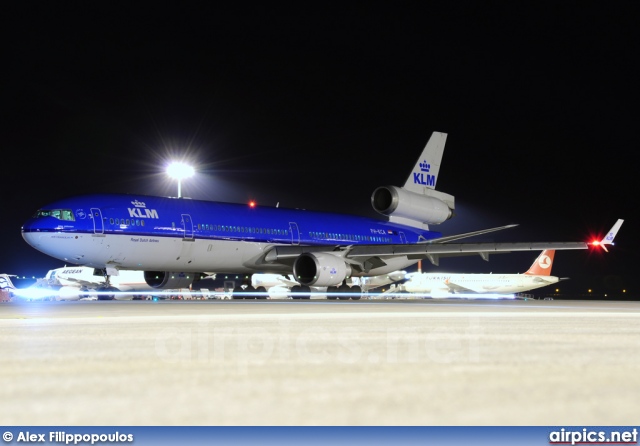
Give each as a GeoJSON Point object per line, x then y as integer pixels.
{"type": "Point", "coordinates": [69, 293]}
{"type": "Point", "coordinates": [406, 207]}
{"type": "Point", "coordinates": [320, 269]}
{"type": "Point", "coordinates": [162, 280]}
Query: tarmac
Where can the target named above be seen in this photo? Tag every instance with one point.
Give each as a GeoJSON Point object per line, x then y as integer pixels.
{"type": "Point", "coordinates": [394, 363]}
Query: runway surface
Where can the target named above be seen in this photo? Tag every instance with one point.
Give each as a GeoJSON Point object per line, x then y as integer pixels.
{"type": "Point", "coordinates": [416, 362]}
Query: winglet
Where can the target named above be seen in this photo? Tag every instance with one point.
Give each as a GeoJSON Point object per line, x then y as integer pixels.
{"type": "Point", "coordinates": [608, 239]}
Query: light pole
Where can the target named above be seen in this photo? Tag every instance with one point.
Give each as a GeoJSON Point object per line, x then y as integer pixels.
{"type": "Point", "coordinates": [179, 171]}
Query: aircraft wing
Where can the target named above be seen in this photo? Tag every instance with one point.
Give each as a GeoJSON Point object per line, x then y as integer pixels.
{"type": "Point", "coordinates": [366, 257]}
{"type": "Point", "coordinates": [450, 238]}
{"type": "Point", "coordinates": [433, 252]}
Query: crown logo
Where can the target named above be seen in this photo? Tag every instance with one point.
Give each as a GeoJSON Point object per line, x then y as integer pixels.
{"type": "Point", "coordinates": [425, 166]}
{"type": "Point", "coordinates": [138, 204]}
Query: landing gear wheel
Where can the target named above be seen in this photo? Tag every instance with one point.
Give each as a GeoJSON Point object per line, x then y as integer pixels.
{"type": "Point", "coordinates": [250, 292]}
{"type": "Point", "coordinates": [238, 293]}
{"type": "Point", "coordinates": [261, 292]}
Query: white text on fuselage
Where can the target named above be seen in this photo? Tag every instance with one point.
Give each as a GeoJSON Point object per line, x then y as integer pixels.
{"type": "Point", "coordinates": [438, 278]}
{"type": "Point", "coordinates": [72, 271]}
{"type": "Point", "coordinates": [138, 212]}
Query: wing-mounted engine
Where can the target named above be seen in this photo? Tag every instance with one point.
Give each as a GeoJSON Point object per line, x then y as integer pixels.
{"type": "Point", "coordinates": [411, 208]}
{"type": "Point", "coordinates": [320, 269]}
{"type": "Point", "coordinates": [168, 280]}
{"type": "Point", "coordinates": [69, 293]}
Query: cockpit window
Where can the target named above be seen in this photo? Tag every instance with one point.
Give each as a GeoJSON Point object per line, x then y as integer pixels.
{"type": "Point", "coordinates": [60, 214]}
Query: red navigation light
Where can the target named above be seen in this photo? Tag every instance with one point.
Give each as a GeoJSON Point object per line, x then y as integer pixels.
{"type": "Point", "coordinates": [599, 244]}
{"type": "Point", "coordinates": [252, 204]}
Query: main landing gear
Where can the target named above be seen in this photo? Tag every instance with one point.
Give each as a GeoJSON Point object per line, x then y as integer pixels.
{"type": "Point", "coordinates": [344, 292]}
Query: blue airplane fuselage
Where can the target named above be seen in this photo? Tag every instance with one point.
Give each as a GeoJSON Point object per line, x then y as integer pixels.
{"type": "Point", "coordinates": [141, 232]}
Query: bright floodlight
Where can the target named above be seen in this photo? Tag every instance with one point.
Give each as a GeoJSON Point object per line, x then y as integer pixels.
{"type": "Point", "coordinates": [180, 171]}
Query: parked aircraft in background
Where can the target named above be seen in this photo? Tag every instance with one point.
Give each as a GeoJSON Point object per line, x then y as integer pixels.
{"type": "Point", "coordinates": [6, 283]}
{"type": "Point", "coordinates": [280, 286]}
{"type": "Point", "coordinates": [80, 282]}
{"type": "Point", "coordinates": [447, 284]}
{"type": "Point", "coordinates": [6, 287]}
{"type": "Point", "coordinates": [175, 240]}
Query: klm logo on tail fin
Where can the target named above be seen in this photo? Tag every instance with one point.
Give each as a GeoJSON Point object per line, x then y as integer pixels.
{"type": "Point", "coordinates": [423, 176]}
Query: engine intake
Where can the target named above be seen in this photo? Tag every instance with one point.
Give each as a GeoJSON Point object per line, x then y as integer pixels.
{"type": "Point", "coordinates": [404, 206]}
{"type": "Point", "coordinates": [320, 269]}
{"type": "Point", "coordinates": [168, 280]}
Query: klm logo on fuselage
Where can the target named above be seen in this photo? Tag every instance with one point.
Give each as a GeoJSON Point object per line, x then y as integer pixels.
{"type": "Point", "coordinates": [423, 176]}
{"type": "Point", "coordinates": [140, 210]}
{"type": "Point", "coordinates": [143, 213]}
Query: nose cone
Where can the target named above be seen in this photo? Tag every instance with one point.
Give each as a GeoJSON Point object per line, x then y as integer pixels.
{"type": "Point", "coordinates": [32, 230]}
{"type": "Point", "coordinates": [49, 235]}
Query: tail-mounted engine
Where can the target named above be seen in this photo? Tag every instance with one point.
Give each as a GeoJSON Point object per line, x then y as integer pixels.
{"type": "Point", "coordinates": [162, 280]}
{"type": "Point", "coordinates": [320, 269]}
{"type": "Point", "coordinates": [413, 209]}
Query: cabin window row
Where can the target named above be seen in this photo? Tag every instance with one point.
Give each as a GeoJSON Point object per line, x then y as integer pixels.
{"type": "Point", "coordinates": [126, 221]}
{"type": "Point", "coordinates": [245, 229]}
{"type": "Point", "coordinates": [352, 237]}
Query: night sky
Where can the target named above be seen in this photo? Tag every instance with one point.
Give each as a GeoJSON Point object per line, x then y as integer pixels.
{"type": "Point", "coordinates": [314, 107]}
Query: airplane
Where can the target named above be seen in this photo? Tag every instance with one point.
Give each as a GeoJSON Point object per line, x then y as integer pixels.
{"type": "Point", "coordinates": [7, 287]}
{"type": "Point", "coordinates": [6, 283]}
{"type": "Point", "coordinates": [71, 283]}
{"type": "Point", "coordinates": [78, 282]}
{"type": "Point", "coordinates": [32, 292]}
{"type": "Point", "coordinates": [278, 286]}
{"type": "Point", "coordinates": [448, 284]}
{"type": "Point", "coordinates": [165, 236]}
